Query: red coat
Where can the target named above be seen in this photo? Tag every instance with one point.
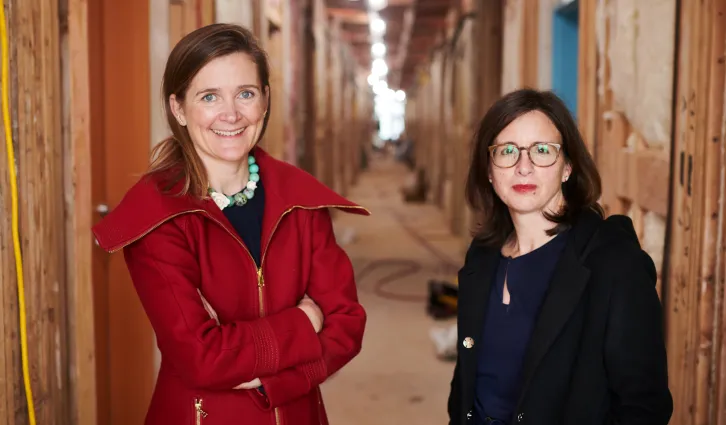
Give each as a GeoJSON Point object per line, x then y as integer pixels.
{"type": "Point", "coordinates": [177, 246]}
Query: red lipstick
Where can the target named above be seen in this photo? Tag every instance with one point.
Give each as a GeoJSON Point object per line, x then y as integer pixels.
{"type": "Point", "coordinates": [524, 188]}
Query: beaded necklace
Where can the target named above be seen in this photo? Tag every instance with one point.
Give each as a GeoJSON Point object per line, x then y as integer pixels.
{"type": "Point", "coordinates": [240, 198]}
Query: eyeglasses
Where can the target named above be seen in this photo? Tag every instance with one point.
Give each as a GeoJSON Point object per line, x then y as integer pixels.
{"type": "Point", "coordinates": [541, 154]}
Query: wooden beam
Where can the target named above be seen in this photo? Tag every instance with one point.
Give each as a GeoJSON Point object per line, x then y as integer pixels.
{"type": "Point", "coordinates": [529, 47]}
{"type": "Point", "coordinates": [689, 331]}
{"type": "Point", "coordinates": [78, 210]}
{"type": "Point", "coordinates": [587, 97]}
{"type": "Point", "coordinates": [403, 44]}
{"type": "Point", "coordinates": [36, 110]}
{"type": "Point", "coordinates": [642, 177]}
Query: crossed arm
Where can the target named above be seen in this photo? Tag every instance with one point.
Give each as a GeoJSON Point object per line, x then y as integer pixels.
{"type": "Point", "coordinates": [282, 350]}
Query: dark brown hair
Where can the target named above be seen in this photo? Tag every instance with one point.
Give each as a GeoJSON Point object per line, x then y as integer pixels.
{"type": "Point", "coordinates": [175, 157]}
{"type": "Point", "coordinates": [581, 191]}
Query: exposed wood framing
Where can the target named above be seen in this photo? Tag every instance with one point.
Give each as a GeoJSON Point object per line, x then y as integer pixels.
{"type": "Point", "coordinates": [694, 301]}
{"type": "Point", "coordinates": [78, 214]}
{"type": "Point", "coordinates": [587, 98]}
{"type": "Point", "coordinates": [37, 113]}
{"type": "Point", "coordinates": [528, 43]}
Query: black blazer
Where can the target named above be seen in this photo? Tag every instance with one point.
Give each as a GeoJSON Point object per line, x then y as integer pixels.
{"type": "Point", "coordinates": [597, 353]}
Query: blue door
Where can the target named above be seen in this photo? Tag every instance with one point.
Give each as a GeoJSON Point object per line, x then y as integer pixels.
{"type": "Point", "coordinates": [564, 54]}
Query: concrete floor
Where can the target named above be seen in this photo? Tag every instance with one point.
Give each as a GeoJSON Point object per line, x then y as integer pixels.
{"type": "Point", "coordinates": [397, 378]}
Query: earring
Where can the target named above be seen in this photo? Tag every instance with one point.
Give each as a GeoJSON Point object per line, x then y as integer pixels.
{"type": "Point", "coordinates": [182, 122]}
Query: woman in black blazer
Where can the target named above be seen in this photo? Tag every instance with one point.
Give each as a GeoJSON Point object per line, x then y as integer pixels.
{"type": "Point", "coordinates": [559, 321]}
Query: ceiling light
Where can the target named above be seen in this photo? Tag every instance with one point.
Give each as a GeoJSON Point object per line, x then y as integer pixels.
{"type": "Point", "coordinates": [380, 87]}
{"type": "Point", "coordinates": [378, 49]}
{"type": "Point", "coordinates": [378, 26]}
{"type": "Point", "coordinates": [379, 67]}
{"type": "Point", "coordinates": [376, 4]}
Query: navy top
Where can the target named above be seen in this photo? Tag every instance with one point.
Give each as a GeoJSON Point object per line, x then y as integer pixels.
{"type": "Point", "coordinates": [507, 328]}
{"type": "Point", "coordinates": [247, 221]}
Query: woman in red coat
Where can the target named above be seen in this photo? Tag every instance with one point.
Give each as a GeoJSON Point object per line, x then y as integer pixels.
{"type": "Point", "coordinates": [232, 252]}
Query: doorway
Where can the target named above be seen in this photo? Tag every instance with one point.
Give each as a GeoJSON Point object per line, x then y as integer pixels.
{"type": "Point", "coordinates": [118, 34]}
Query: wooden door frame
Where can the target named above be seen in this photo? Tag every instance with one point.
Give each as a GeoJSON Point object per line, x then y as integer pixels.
{"type": "Point", "coordinates": [120, 96]}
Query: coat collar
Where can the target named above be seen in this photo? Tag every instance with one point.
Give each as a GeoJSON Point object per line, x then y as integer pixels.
{"type": "Point", "coordinates": [145, 207]}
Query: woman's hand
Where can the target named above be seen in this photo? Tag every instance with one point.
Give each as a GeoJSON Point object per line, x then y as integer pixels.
{"type": "Point", "coordinates": [255, 383]}
{"type": "Point", "coordinates": [313, 312]}
{"type": "Point", "coordinates": [208, 307]}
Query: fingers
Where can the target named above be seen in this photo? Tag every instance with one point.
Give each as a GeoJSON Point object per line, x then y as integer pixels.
{"type": "Point", "coordinates": [255, 383]}
{"type": "Point", "coordinates": [208, 307]}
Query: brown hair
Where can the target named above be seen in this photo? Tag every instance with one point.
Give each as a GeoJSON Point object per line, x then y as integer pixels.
{"type": "Point", "coordinates": [581, 191]}
{"type": "Point", "coordinates": [175, 157]}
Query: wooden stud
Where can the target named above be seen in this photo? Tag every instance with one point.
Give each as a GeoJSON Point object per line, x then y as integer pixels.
{"type": "Point", "coordinates": [78, 249]}
{"type": "Point", "coordinates": [37, 110]}
{"type": "Point", "coordinates": [587, 73]}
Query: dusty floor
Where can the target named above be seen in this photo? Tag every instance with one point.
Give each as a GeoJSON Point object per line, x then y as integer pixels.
{"type": "Point", "coordinates": [397, 378]}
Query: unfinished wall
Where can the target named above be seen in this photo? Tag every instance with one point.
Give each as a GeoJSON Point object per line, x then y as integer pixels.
{"type": "Point", "coordinates": [544, 42]}
{"type": "Point", "coordinates": [635, 43]}
{"type": "Point", "coordinates": [641, 52]}
{"type": "Point", "coordinates": [512, 42]}
{"type": "Point", "coordinates": [240, 12]}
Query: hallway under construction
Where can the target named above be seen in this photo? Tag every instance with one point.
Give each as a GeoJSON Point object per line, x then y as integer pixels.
{"type": "Point", "coordinates": [379, 100]}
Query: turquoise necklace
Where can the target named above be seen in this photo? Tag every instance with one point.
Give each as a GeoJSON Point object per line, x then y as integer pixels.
{"type": "Point", "coordinates": [240, 198]}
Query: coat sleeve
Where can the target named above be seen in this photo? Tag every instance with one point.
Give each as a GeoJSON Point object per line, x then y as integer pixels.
{"type": "Point", "coordinates": [166, 276]}
{"type": "Point", "coordinates": [635, 354]}
{"type": "Point", "coordinates": [332, 286]}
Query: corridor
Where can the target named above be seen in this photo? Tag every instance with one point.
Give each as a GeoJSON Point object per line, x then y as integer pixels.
{"type": "Point", "coordinates": [397, 378]}
{"type": "Point", "coordinates": [348, 80]}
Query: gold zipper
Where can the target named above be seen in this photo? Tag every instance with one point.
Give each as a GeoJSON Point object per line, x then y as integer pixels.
{"type": "Point", "coordinates": [277, 417]}
{"type": "Point", "coordinates": [261, 279]}
{"type": "Point", "coordinates": [260, 285]}
{"type": "Point", "coordinates": [198, 412]}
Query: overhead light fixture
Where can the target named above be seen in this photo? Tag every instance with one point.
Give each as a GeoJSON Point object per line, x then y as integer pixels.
{"type": "Point", "coordinates": [377, 4]}
{"type": "Point", "coordinates": [378, 49]}
{"type": "Point", "coordinates": [379, 67]}
{"type": "Point", "coordinates": [380, 87]}
{"type": "Point", "coordinates": [378, 26]}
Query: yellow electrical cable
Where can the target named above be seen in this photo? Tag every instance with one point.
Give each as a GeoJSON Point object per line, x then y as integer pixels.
{"type": "Point", "coordinates": [14, 196]}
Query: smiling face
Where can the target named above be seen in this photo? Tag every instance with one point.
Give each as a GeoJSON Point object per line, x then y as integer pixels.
{"type": "Point", "coordinates": [223, 109]}
{"type": "Point", "coordinates": [525, 187]}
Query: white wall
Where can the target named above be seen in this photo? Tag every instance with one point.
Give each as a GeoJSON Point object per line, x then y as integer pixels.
{"type": "Point", "coordinates": [158, 52]}
{"type": "Point", "coordinates": [239, 12]}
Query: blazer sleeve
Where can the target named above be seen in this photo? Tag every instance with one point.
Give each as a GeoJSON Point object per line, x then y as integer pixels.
{"type": "Point", "coordinates": [635, 353]}
{"type": "Point", "coordinates": [332, 286]}
{"type": "Point", "coordinates": [166, 276]}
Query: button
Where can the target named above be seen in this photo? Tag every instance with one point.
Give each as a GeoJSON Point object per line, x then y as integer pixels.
{"type": "Point", "coordinates": [468, 342]}
{"type": "Point", "coordinates": [520, 417]}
